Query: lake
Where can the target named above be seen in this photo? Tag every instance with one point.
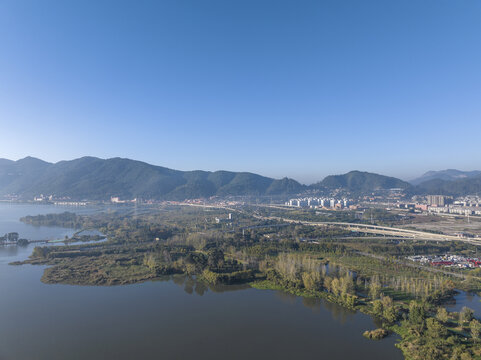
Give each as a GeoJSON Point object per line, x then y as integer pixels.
{"type": "Point", "coordinates": [173, 319]}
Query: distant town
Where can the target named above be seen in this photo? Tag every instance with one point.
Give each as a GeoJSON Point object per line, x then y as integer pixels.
{"type": "Point", "coordinates": [447, 260]}
{"type": "Point", "coordinates": [436, 204]}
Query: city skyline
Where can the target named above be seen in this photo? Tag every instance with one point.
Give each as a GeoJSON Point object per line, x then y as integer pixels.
{"type": "Point", "coordinates": [270, 87]}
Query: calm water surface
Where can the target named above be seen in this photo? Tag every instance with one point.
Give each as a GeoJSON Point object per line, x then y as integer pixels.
{"type": "Point", "coordinates": [172, 319]}
{"type": "Point", "coordinates": [472, 301]}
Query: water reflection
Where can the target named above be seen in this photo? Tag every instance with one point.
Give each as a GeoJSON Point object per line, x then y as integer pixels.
{"type": "Point", "coordinates": [189, 285]}
{"type": "Point", "coordinates": [313, 304]}
{"type": "Point", "coordinates": [192, 286]}
{"type": "Point", "coordinates": [200, 288]}
{"type": "Point", "coordinates": [10, 250]}
{"type": "Point", "coordinates": [336, 270]}
{"type": "Point", "coordinates": [463, 298]}
{"type": "Point", "coordinates": [178, 279]}
{"type": "Point", "coordinates": [338, 312]}
{"type": "Point", "coordinates": [286, 297]}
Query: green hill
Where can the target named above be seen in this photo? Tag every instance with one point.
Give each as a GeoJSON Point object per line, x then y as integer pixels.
{"type": "Point", "coordinates": [359, 182]}
{"type": "Point", "coordinates": [94, 178]}
{"type": "Point", "coordinates": [465, 186]}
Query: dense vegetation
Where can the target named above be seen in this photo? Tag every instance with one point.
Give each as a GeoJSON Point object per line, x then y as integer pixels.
{"type": "Point", "coordinates": [65, 219]}
{"type": "Point", "coordinates": [358, 181]}
{"type": "Point", "coordinates": [307, 261]}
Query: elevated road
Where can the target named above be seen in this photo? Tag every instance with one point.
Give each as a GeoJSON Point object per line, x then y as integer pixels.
{"type": "Point", "coordinates": [380, 230]}
{"type": "Point", "coordinates": [355, 227]}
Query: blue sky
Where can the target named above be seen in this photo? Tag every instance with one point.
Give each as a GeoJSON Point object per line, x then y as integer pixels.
{"type": "Point", "coordinates": [282, 88]}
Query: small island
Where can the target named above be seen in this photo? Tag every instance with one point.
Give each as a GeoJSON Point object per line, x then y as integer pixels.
{"type": "Point", "coordinates": [377, 334]}
{"type": "Point", "coordinates": [13, 238]}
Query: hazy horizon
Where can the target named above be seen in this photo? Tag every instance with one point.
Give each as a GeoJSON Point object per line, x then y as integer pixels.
{"type": "Point", "coordinates": [299, 179]}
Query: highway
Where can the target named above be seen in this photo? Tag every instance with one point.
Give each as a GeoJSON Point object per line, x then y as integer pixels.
{"type": "Point", "coordinates": [381, 230]}
{"type": "Point", "coordinates": [354, 227]}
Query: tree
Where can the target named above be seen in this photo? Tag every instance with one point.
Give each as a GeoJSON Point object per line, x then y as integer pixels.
{"type": "Point", "coordinates": [327, 282]}
{"type": "Point", "coordinates": [196, 262]}
{"type": "Point", "coordinates": [460, 354]}
{"type": "Point", "coordinates": [417, 315]}
{"type": "Point", "coordinates": [389, 311]}
{"type": "Point", "coordinates": [465, 315]}
{"type": "Point", "coordinates": [311, 280]}
{"type": "Point", "coordinates": [22, 242]}
{"type": "Point", "coordinates": [350, 300]}
{"type": "Point", "coordinates": [374, 287]}
{"type": "Point", "coordinates": [40, 252]}
{"type": "Point", "coordinates": [475, 327]}
{"type": "Point", "coordinates": [289, 267]}
{"type": "Point", "coordinates": [13, 236]}
{"type": "Point", "coordinates": [335, 286]}
{"type": "Point", "coordinates": [150, 262]}
{"type": "Point", "coordinates": [167, 257]}
{"type": "Point", "coordinates": [442, 315]}
{"type": "Point", "coordinates": [435, 329]}
{"type": "Point", "coordinates": [215, 259]}
{"type": "Point", "coordinates": [347, 285]}
{"type": "Point", "coordinates": [377, 308]}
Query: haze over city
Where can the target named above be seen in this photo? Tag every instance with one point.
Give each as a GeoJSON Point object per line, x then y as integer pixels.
{"type": "Point", "coordinates": [268, 87]}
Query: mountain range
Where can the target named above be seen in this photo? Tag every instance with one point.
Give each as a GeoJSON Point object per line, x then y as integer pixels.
{"type": "Point", "coordinates": [99, 179]}
{"type": "Point", "coordinates": [448, 175]}
{"type": "Point", "coordinates": [448, 182]}
{"type": "Point", "coordinates": [460, 187]}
